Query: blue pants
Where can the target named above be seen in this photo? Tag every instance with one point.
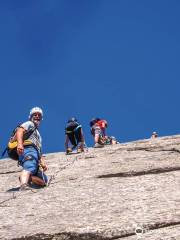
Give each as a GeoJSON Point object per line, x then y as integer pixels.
{"type": "Point", "coordinates": [29, 160]}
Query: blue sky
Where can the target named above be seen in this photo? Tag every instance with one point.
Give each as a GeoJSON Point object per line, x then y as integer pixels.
{"type": "Point", "coordinates": [118, 60]}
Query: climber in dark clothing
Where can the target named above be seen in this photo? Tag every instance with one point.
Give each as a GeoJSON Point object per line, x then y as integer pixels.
{"type": "Point", "coordinates": [74, 135]}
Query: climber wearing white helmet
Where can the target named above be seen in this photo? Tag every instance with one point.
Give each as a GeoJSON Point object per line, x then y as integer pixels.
{"type": "Point", "coordinates": [35, 110]}
{"type": "Point", "coordinates": [30, 155]}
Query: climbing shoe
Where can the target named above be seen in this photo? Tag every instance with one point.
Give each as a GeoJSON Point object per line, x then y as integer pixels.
{"type": "Point", "coordinates": [68, 151]}
{"type": "Point", "coordinates": [97, 145]}
{"type": "Point", "coordinates": [24, 187]}
{"type": "Point", "coordinates": [80, 150]}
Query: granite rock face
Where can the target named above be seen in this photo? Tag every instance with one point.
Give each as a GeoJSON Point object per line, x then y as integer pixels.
{"type": "Point", "coordinates": [126, 191]}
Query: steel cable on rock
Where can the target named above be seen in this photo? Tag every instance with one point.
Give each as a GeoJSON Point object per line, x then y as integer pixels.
{"type": "Point", "coordinates": [61, 168]}
{"type": "Point", "coordinates": [52, 177]}
{"type": "Point", "coordinates": [15, 196]}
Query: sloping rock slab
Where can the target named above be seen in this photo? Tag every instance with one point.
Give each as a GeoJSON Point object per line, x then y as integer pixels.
{"type": "Point", "coordinates": [126, 191]}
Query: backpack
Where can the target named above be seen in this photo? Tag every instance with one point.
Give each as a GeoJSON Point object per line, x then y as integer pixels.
{"type": "Point", "coordinates": [101, 123]}
{"type": "Point", "coordinates": [11, 148]}
{"type": "Point", "coordinates": [71, 127]}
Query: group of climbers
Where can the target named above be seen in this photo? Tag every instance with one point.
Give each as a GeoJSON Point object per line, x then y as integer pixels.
{"type": "Point", "coordinates": [25, 145]}
{"type": "Point", "coordinates": [74, 135]}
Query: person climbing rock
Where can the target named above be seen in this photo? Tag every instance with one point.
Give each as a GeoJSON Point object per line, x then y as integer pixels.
{"type": "Point", "coordinates": [98, 130]}
{"type": "Point", "coordinates": [74, 136]}
{"type": "Point", "coordinates": [154, 135]}
{"type": "Point", "coordinates": [29, 145]}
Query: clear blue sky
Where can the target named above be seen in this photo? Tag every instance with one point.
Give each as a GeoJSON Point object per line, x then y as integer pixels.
{"type": "Point", "coordinates": [118, 60]}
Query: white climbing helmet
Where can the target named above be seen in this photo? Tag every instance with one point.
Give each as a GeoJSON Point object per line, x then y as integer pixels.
{"type": "Point", "coordinates": [35, 110]}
